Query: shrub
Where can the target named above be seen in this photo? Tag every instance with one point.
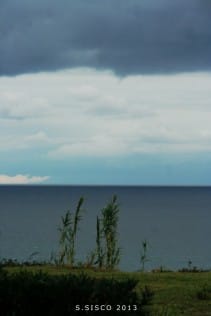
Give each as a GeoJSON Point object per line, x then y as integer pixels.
{"type": "Point", "coordinates": [29, 294]}
{"type": "Point", "coordinates": [204, 293]}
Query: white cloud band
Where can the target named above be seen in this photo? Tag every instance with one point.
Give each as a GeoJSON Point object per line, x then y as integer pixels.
{"type": "Point", "coordinates": [21, 179]}
{"type": "Point", "coordinates": [90, 113]}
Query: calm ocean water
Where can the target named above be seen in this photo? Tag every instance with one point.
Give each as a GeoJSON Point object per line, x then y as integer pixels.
{"type": "Point", "coordinates": [176, 222]}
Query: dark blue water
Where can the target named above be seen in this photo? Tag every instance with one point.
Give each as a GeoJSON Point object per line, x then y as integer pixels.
{"type": "Point", "coordinates": [176, 222]}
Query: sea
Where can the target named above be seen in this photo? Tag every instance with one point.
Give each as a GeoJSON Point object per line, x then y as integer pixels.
{"type": "Point", "coordinates": [175, 222]}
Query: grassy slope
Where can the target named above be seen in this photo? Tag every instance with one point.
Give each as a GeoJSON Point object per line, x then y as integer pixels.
{"type": "Point", "coordinates": [176, 293]}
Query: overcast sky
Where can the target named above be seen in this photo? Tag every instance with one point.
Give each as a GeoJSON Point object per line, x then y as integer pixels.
{"type": "Point", "coordinates": [117, 92]}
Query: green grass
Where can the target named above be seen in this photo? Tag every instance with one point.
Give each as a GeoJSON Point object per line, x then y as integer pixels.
{"type": "Point", "coordinates": [178, 293]}
{"type": "Point", "coordinates": [175, 293]}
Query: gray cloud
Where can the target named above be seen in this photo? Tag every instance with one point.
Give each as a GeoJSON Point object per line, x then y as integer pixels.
{"type": "Point", "coordinates": [128, 37]}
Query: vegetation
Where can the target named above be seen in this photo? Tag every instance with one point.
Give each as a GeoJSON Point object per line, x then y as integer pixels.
{"type": "Point", "coordinates": [108, 252]}
{"type": "Point", "coordinates": [166, 293]}
{"type": "Point", "coordinates": [99, 251]}
{"type": "Point", "coordinates": [144, 257]}
{"type": "Point", "coordinates": [25, 293]}
{"type": "Point", "coordinates": [179, 294]}
{"type": "Point", "coordinates": [68, 231]}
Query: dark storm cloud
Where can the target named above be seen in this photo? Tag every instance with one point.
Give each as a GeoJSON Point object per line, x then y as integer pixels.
{"type": "Point", "coordinates": [126, 36]}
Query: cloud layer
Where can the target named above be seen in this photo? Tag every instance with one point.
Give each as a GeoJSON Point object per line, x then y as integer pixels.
{"type": "Point", "coordinates": [128, 37]}
{"type": "Point", "coordinates": [85, 113]}
{"type": "Point", "coordinates": [21, 179]}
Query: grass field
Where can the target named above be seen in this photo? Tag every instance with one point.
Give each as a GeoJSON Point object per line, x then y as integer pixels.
{"type": "Point", "coordinates": [175, 293]}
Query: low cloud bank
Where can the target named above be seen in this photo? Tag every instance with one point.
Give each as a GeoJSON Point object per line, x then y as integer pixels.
{"type": "Point", "coordinates": [22, 179]}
